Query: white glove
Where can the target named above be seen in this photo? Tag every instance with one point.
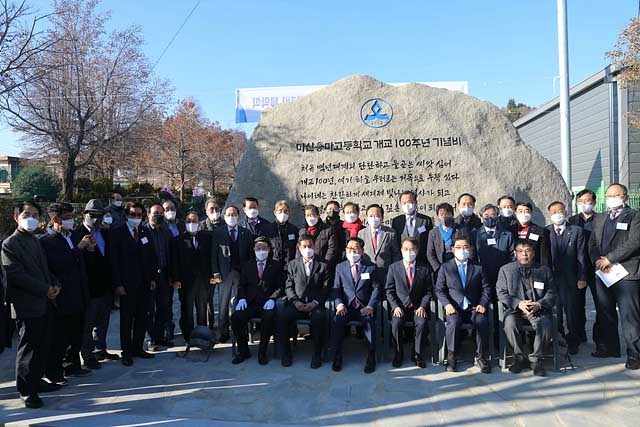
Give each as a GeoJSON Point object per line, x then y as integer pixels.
{"type": "Point", "coordinates": [269, 305]}
{"type": "Point", "coordinates": [242, 304]}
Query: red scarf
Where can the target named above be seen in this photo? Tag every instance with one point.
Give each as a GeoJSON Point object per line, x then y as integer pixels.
{"type": "Point", "coordinates": [313, 229]}
{"type": "Point", "coordinates": [353, 228]}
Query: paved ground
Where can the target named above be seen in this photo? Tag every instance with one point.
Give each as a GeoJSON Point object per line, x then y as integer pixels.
{"type": "Point", "coordinates": [188, 392]}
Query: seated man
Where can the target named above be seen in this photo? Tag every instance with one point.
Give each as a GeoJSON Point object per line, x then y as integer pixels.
{"type": "Point", "coordinates": [355, 291]}
{"type": "Point", "coordinates": [306, 288]}
{"type": "Point", "coordinates": [528, 290]}
{"type": "Point", "coordinates": [409, 287]}
{"type": "Point", "coordinates": [464, 292]}
{"type": "Point", "coordinates": [260, 284]}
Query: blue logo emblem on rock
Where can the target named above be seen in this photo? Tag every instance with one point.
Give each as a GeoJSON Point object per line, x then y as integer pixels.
{"type": "Point", "coordinates": [376, 113]}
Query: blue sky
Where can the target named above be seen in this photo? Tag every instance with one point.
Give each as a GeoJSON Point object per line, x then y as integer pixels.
{"type": "Point", "coordinates": [504, 48]}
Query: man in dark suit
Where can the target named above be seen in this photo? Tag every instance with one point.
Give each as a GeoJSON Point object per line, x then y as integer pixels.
{"type": "Point", "coordinates": [586, 201]}
{"type": "Point", "coordinates": [252, 220]}
{"type": "Point", "coordinates": [96, 260]}
{"type": "Point", "coordinates": [134, 275]}
{"type": "Point", "coordinates": [172, 222]}
{"type": "Point", "coordinates": [31, 290]}
{"type": "Point", "coordinates": [412, 224]}
{"type": "Point", "coordinates": [283, 235]}
{"type": "Point", "coordinates": [261, 283]}
{"type": "Point", "coordinates": [232, 246]}
{"type": "Point", "coordinates": [494, 245]}
{"type": "Point", "coordinates": [464, 292]}
{"type": "Point", "coordinates": [507, 210]}
{"type": "Point", "coordinates": [380, 242]}
{"type": "Point", "coordinates": [307, 288]}
{"type": "Point", "coordinates": [529, 292]}
{"type": "Point", "coordinates": [569, 272]}
{"type": "Point", "coordinates": [191, 272]}
{"type": "Point", "coordinates": [615, 239]}
{"type": "Point", "coordinates": [356, 290]}
{"type": "Point", "coordinates": [65, 259]}
{"type": "Point", "coordinates": [325, 242]}
{"type": "Point", "coordinates": [212, 221]}
{"type": "Point", "coordinates": [409, 288]}
{"type": "Point", "coordinates": [536, 234]}
{"type": "Point", "coordinates": [440, 239]}
{"type": "Point", "coordinates": [467, 221]}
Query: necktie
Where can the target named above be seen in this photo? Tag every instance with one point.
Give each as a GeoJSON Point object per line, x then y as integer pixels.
{"type": "Point", "coordinates": [260, 269]}
{"type": "Point", "coordinates": [135, 233]}
{"type": "Point", "coordinates": [374, 241]}
{"type": "Point", "coordinates": [614, 214]}
{"type": "Point", "coordinates": [233, 234]}
{"type": "Point", "coordinates": [490, 233]}
{"type": "Point", "coordinates": [558, 232]}
{"type": "Point", "coordinates": [463, 278]}
{"type": "Point", "coordinates": [410, 275]}
{"type": "Point", "coordinates": [354, 273]}
{"type": "Point", "coordinates": [307, 268]}
{"type": "Point", "coordinates": [195, 242]}
{"type": "Point", "coordinates": [411, 230]}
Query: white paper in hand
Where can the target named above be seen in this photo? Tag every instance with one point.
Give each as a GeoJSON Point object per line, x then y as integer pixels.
{"type": "Point", "coordinates": [615, 274]}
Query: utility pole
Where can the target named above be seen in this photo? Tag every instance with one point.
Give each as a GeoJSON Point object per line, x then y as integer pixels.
{"type": "Point", "coordinates": [565, 125]}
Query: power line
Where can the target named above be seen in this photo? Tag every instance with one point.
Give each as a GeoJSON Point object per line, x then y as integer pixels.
{"type": "Point", "coordinates": [176, 34]}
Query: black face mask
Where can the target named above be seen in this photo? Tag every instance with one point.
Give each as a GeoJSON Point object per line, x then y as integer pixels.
{"type": "Point", "coordinates": [157, 219]}
{"type": "Point", "coordinates": [447, 221]}
{"type": "Point", "coordinates": [333, 216]}
{"type": "Point", "coordinates": [490, 222]}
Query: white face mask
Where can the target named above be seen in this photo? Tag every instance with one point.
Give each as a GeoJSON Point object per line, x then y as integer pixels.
{"type": "Point", "coordinates": [468, 211]}
{"type": "Point", "coordinates": [350, 218]}
{"type": "Point", "coordinates": [408, 208]}
{"type": "Point", "coordinates": [134, 222]}
{"type": "Point", "coordinates": [192, 227]}
{"type": "Point", "coordinates": [583, 208]}
{"type": "Point", "coordinates": [306, 252]}
{"type": "Point", "coordinates": [213, 216]}
{"type": "Point", "coordinates": [282, 217]}
{"type": "Point", "coordinates": [558, 219]}
{"type": "Point", "coordinates": [231, 220]}
{"type": "Point", "coordinates": [614, 202]}
{"type": "Point", "coordinates": [261, 255]}
{"type": "Point", "coordinates": [107, 220]}
{"type": "Point", "coordinates": [506, 212]}
{"type": "Point", "coordinates": [252, 213]}
{"type": "Point", "coordinates": [312, 220]}
{"type": "Point", "coordinates": [29, 224]}
{"type": "Point", "coordinates": [461, 254]}
{"type": "Point", "coordinates": [374, 221]}
{"type": "Point", "coordinates": [353, 257]}
{"type": "Point", "coordinates": [524, 218]}
{"type": "Point", "coordinates": [68, 224]}
{"type": "Point", "coordinates": [117, 203]}
{"type": "Point", "coordinates": [409, 256]}
{"type": "Point", "coordinates": [170, 215]}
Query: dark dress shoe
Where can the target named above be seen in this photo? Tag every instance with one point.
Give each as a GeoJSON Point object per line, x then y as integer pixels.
{"type": "Point", "coordinates": [32, 401]}
{"type": "Point", "coordinates": [239, 358]}
{"type": "Point", "coordinates": [286, 361]}
{"type": "Point", "coordinates": [92, 364]}
{"type": "Point", "coordinates": [518, 365]}
{"type": "Point", "coordinates": [104, 355]}
{"type": "Point", "coordinates": [602, 352]}
{"type": "Point", "coordinates": [633, 363]}
{"type": "Point", "coordinates": [420, 363]}
{"type": "Point", "coordinates": [538, 369]}
{"type": "Point", "coordinates": [262, 358]}
{"type": "Point", "coordinates": [451, 362]}
{"type": "Point", "coordinates": [126, 360]}
{"type": "Point", "coordinates": [316, 361]}
{"type": "Point", "coordinates": [224, 337]}
{"type": "Point", "coordinates": [337, 364]}
{"type": "Point", "coordinates": [573, 348]}
{"type": "Point", "coordinates": [47, 387]}
{"type": "Point", "coordinates": [144, 355]}
{"type": "Point", "coordinates": [62, 381]}
{"type": "Point", "coordinates": [484, 366]}
{"type": "Point", "coordinates": [370, 365]}
{"type": "Point", "coordinates": [397, 360]}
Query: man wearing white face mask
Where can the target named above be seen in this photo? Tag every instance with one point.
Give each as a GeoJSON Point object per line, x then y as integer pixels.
{"type": "Point", "coordinates": [464, 292]}
{"type": "Point", "coordinates": [191, 272]}
{"type": "Point", "coordinates": [261, 283]}
{"type": "Point", "coordinates": [31, 290]}
{"type": "Point", "coordinates": [232, 246]}
{"type": "Point", "coordinates": [536, 234]}
{"type": "Point", "coordinates": [586, 201]}
{"type": "Point", "coordinates": [351, 226]}
{"type": "Point", "coordinates": [411, 223]}
{"type": "Point", "coordinates": [616, 240]}
{"type": "Point", "coordinates": [467, 221]}
{"type": "Point", "coordinates": [283, 235]}
{"type": "Point", "coordinates": [64, 252]}
{"type": "Point", "coordinates": [380, 242]}
{"type": "Point", "coordinates": [176, 226]}
{"type": "Point", "coordinates": [507, 206]}
{"type": "Point", "coordinates": [569, 272]}
{"type": "Point", "coordinates": [252, 221]}
{"type": "Point", "coordinates": [116, 210]}
{"type": "Point", "coordinates": [214, 217]}
{"type": "Point", "coordinates": [409, 288]}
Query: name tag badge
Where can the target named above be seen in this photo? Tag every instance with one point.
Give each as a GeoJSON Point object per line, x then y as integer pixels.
{"type": "Point", "coordinates": [144, 240]}
{"type": "Point", "coordinates": [365, 276]}
{"type": "Point", "coordinates": [491, 241]}
{"type": "Point", "coordinates": [622, 226]}
{"type": "Point", "coordinates": [421, 229]}
{"type": "Point", "coordinates": [534, 237]}
{"type": "Point", "coordinates": [538, 285]}
{"type": "Point", "coordinates": [292, 237]}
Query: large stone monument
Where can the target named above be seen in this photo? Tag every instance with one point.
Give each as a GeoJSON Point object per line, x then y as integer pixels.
{"type": "Point", "coordinates": [363, 141]}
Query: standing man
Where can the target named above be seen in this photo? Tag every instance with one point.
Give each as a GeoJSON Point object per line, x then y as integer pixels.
{"type": "Point", "coordinates": [528, 291]}
{"type": "Point", "coordinates": [440, 241]}
{"type": "Point", "coordinates": [31, 292]}
{"type": "Point", "coordinates": [355, 291]}
{"type": "Point", "coordinates": [494, 245]}
{"type": "Point", "coordinates": [134, 275]}
{"type": "Point", "coordinates": [252, 220]}
{"type": "Point", "coordinates": [412, 224]}
{"type": "Point", "coordinates": [175, 226]}
{"type": "Point", "coordinates": [380, 242]}
{"type": "Point", "coordinates": [261, 283]}
{"type": "Point", "coordinates": [507, 207]}
{"type": "Point", "coordinates": [467, 221]}
{"type": "Point", "coordinates": [615, 239]}
{"type": "Point", "coordinates": [282, 235]}
{"type": "Point", "coordinates": [464, 292]}
{"type": "Point", "coordinates": [231, 248]}
{"type": "Point", "coordinates": [409, 287]}
{"type": "Point", "coordinates": [116, 210]}
{"type": "Point", "coordinates": [212, 221]}
{"type": "Point", "coordinates": [307, 288]}
{"type": "Point", "coordinates": [536, 234]}
{"type": "Point", "coordinates": [568, 261]}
